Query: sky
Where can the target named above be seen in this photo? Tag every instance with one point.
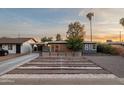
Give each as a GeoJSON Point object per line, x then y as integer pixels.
{"type": "Point", "coordinates": [40, 22]}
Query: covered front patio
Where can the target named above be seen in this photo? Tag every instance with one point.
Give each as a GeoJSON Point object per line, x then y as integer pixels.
{"type": "Point", "coordinates": [59, 48]}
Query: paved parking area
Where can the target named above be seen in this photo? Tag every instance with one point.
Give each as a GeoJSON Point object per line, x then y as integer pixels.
{"type": "Point", "coordinates": [114, 64]}
{"type": "Point", "coordinates": [59, 65]}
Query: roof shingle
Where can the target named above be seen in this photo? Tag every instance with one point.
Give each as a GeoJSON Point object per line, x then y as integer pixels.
{"type": "Point", "coordinates": [14, 40]}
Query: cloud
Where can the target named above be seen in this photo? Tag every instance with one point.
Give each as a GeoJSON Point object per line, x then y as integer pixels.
{"type": "Point", "coordinates": [105, 20]}
{"type": "Point", "coordinates": [49, 22]}
{"type": "Point", "coordinates": [103, 38]}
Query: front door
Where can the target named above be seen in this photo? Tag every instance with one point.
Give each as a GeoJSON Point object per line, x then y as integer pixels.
{"type": "Point", "coordinates": [40, 49]}
{"type": "Point", "coordinates": [0, 46]}
{"type": "Point", "coordinates": [18, 48]}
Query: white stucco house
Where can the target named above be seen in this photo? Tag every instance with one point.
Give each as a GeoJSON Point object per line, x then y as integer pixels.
{"type": "Point", "coordinates": [17, 45]}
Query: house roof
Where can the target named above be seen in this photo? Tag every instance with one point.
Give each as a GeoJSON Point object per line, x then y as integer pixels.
{"type": "Point", "coordinates": [115, 43]}
{"type": "Point", "coordinates": [64, 42]}
{"type": "Point", "coordinates": [89, 42]}
{"type": "Point", "coordinates": [57, 42]}
{"type": "Point", "coordinates": [5, 40]}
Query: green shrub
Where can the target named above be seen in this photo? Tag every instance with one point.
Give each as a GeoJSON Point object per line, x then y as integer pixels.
{"type": "Point", "coordinates": [107, 49]}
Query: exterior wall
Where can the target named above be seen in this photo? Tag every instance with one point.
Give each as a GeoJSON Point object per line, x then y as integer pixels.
{"type": "Point", "coordinates": [12, 51]}
{"type": "Point", "coordinates": [31, 41]}
{"type": "Point", "coordinates": [59, 48]}
{"type": "Point", "coordinates": [26, 48]}
{"type": "Point", "coordinates": [89, 48]}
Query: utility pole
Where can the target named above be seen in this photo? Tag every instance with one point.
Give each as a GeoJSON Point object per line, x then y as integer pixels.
{"type": "Point", "coordinates": [120, 36]}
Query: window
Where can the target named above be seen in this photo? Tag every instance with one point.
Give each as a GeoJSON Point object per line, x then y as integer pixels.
{"type": "Point", "coordinates": [57, 48]}
{"type": "Point", "coordinates": [86, 47]}
{"type": "Point", "coordinates": [52, 48]}
{"type": "Point", "coordinates": [9, 47]}
{"type": "Point", "coordinates": [94, 46]}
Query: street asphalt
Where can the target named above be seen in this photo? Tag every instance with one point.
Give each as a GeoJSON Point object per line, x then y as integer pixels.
{"type": "Point", "coordinates": [114, 64]}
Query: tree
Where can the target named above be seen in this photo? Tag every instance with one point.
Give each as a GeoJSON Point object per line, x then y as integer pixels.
{"type": "Point", "coordinates": [75, 36]}
{"type": "Point", "coordinates": [58, 37]}
{"type": "Point", "coordinates": [122, 23]}
{"type": "Point", "coordinates": [89, 16]}
{"type": "Point", "coordinates": [75, 43]}
{"type": "Point", "coordinates": [45, 39]}
{"type": "Point", "coordinates": [75, 30]}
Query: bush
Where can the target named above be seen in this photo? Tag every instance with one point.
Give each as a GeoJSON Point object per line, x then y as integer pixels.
{"type": "Point", "coordinates": [107, 49]}
{"type": "Point", "coordinates": [119, 49]}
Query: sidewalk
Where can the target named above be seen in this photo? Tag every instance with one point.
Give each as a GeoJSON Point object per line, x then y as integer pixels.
{"type": "Point", "coordinates": [13, 63]}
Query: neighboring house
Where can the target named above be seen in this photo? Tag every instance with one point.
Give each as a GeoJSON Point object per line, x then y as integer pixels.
{"type": "Point", "coordinates": [17, 45]}
{"type": "Point", "coordinates": [115, 43]}
{"type": "Point", "coordinates": [60, 46]}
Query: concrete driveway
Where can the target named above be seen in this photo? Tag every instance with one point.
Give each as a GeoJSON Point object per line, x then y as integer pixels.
{"type": "Point", "coordinates": [8, 57]}
{"type": "Point", "coordinates": [11, 64]}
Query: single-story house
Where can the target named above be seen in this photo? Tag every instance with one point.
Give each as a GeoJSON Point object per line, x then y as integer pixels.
{"type": "Point", "coordinates": [60, 46]}
{"type": "Point", "coordinates": [115, 43]}
{"type": "Point", "coordinates": [17, 45]}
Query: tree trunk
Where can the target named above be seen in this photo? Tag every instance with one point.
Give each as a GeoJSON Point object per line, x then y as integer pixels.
{"type": "Point", "coordinates": [91, 30]}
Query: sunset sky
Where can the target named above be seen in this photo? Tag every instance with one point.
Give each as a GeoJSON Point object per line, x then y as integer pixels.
{"type": "Point", "coordinates": [49, 22]}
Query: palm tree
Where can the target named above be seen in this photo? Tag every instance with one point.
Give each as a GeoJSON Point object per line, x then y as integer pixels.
{"type": "Point", "coordinates": [122, 23]}
{"type": "Point", "coordinates": [89, 16]}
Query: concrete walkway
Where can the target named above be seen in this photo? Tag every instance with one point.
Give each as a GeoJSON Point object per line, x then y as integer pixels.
{"type": "Point", "coordinates": [13, 63]}
{"type": "Point", "coordinates": [114, 64]}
